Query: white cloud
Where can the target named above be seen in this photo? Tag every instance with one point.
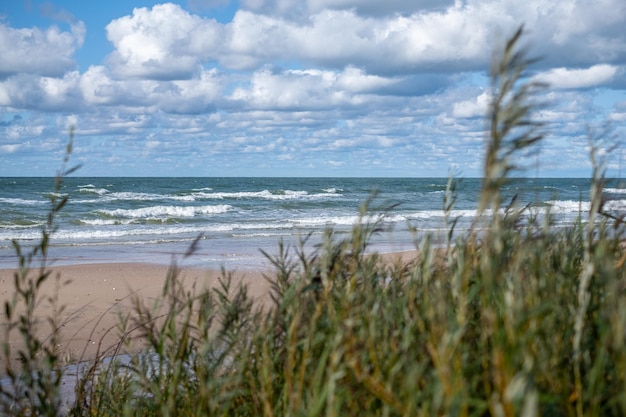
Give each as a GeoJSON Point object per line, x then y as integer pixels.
{"type": "Point", "coordinates": [375, 84]}
{"type": "Point", "coordinates": [29, 91]}
{"type": "Point", "coordinates": [356, 80]}
{"type": "Point", "coordinates": [9, 149]}
{"type": "Point", "coordinates": [565, 78]}
{"type": "Point", "coordinates": [164, 42]}
{"type": "Point", "coordinates": [23, 133]}
{"type": "Point", "coordinates": [341, 37]}
{"type": "Point", "coordinates": [305, 89]}
{"type": "Point", "coordinates": [460, 36]}
{"type": "Point", "coordinates": [476, 107]}
{"type": "Point", "coordinates": [99, 88]}
{"type": "Point", "coordinates": [619, 112]}
{"type": "Point", "coordinates": [67, 122]}
{"type": "Point", "coordinates": [36, 51]}
{"type": "Point", "coordinates": [180, 96]}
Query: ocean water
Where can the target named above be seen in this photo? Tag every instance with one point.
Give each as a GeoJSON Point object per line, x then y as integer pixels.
{"type": "Point", "coordinates": [156, 219]}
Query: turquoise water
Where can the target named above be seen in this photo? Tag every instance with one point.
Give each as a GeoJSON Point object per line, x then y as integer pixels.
{"type": "Point", "coordinates": [154, 219]}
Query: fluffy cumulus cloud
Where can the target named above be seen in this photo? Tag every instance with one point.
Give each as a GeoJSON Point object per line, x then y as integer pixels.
{"type": "Point", "coordinates": [195, 95]}
{"type": "Point", "coordinates": [350, 87]}
{"type": "Point", "coordinates": [475, 107]}
{"type": "Point", "coordinates": [36, 92]}
{"type": "Point", "coordinates": [309, 89]}
{"type": "Point", "coordinates": [593, 76]}
{"type": "Point", "coordinates": [169, 42]}
{"type": "Point", "coordinates": [336, 38]}
{"type": "Point", "coordinates": [165, 42]}
{"type": "Point", "coordinates": [47, 52]}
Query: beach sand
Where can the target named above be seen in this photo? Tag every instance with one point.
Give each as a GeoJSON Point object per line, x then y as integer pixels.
{"type": "Point", "coordinates": [93, 297]}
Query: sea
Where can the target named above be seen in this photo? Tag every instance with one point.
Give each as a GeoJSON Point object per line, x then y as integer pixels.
{"type": "Point", "coordinates": [237, 222]}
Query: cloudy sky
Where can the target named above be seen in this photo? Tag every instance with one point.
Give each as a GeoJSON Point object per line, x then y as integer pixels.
{"type": "Point", "coordinates": [297, 87]}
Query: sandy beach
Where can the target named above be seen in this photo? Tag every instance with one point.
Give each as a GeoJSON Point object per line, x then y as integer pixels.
{"type": "Point", "coordinates": [94, 295]}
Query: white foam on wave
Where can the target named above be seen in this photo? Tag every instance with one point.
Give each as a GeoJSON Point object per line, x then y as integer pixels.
{"type": "Point", "coordinates": [568, 206]}
{"type": "Point", "coordinates": [349, 220]}
{"type": "Point", "coordinates": [131, 196]}
{"type": "Point", "coordinates": [105, 222]}
{"type": "Point", "coordinates": [34, 225]}
{"type": "Point", "coordinates": [433, 214]}
{"type": "Point", "coordinates": [326, 221]}
{"type": "Point", "coordinates": [167, 211]}
{"type": "Point", "coordinates": [615, 205]}
{"type": "Point", "coordinates": [90, 188]}
{"type": "Point", "coordinates": [79, 237]}
{"type": "Point", "coordinates": [205, 194]}
{"type": "Point", "coordinates": [122, 196]}
{"type": "Point", "coordinates": [23, 202]}
{"type": "Point", "coordinates": [9, 234]}
{"type": "Point", "coordinates": [188, 198]}
{"type": "Point", "coordinates": [267, 195]}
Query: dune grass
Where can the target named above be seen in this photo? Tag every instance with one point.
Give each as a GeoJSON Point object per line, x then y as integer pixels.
{"type": "Point", "coordinates": [513, 318]}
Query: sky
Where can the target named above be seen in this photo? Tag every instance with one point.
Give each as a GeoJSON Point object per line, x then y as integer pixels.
{"type": "Point", "coordinates": [359, 88]}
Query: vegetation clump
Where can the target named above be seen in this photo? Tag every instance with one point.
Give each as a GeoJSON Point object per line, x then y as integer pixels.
{"type": "Point", "coordinates": [514, 318]}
